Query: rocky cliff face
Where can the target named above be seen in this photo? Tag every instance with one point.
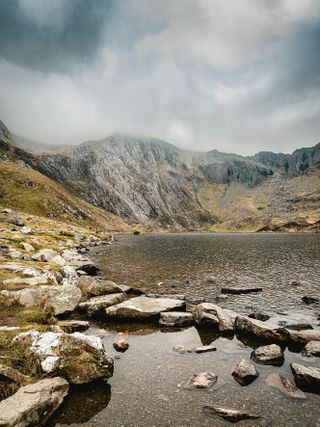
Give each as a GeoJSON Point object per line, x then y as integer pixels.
{"type": "Point", "coordinates": [147, 180]}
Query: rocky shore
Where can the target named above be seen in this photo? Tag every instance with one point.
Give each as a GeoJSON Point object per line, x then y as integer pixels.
{"type": "Point", "coordinates": [50, 293]}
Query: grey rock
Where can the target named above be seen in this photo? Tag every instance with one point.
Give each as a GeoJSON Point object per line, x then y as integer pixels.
{"type": "Point", "coordinates": [63, 299]}
{"type": "Point", "coordinates": [96, 306]}
{"type": "Point", "coordinates": [285, 386]}
{"type": "Point", "coordinates": [306, 377]}
{"type": "Point", "coordinates": [97, 286]}
{"type": "Point", "coordinates": [310, 299]}
{"type": "Point", "coordinates": [79, 261]}
{"type": "Point", "coordinates": [207, 313]}
{"type": "Point", "coordinates": [245, 372]}
{"type": "Point", "coordinates": [258, 315]}
{"type": "Point", "coordinates": [144, 308]}
{"type": "Point", "coordinates": [45, 255]}
{"type": "Point", "coordinates": [175, 318]}
{"type": "Point", "coordinates": [182, 349]}
{"type": "Point", "coordinates": [303, 337]}
{"type": "Point", "coordinates": [312, 348]}
{"type": "Point", "coordinates": [27, 247]}
{"type": "Point", "coordinates": [70, 326]}
{"type": "Point", "coordinates": [268, 355]}
{"type": "Point", "coordinates": [33, 404]}
{"type": "Point", "coordinates": [202, 380]}
{"type": "Point", "coordinates": [257, 329]}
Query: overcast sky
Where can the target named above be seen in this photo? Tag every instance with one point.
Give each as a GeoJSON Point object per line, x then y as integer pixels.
{"type": "Point", "coordinates": [235, 75]}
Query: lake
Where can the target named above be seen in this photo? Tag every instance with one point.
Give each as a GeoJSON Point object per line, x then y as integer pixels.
{"type": "Point", "coordinates": [147, 388]}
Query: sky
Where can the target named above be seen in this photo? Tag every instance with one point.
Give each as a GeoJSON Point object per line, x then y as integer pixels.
{"type": "Point", "coordinates": [234, 75]}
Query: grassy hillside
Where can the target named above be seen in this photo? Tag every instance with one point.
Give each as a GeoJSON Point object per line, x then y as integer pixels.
{"type": "Point", "coordinates": [25, 190]}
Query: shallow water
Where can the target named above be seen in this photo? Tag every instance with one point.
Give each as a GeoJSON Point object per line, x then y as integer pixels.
{"type": "Point", "coordinates": [147, 387]}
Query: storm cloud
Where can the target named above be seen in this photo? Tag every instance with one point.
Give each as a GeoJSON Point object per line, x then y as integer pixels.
{"type": "Point", "coordinates": [238, 76]}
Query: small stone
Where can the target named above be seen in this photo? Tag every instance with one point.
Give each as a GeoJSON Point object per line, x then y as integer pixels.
{"type": "Point", "coordinates": [238, 290]}
{"type": "Point", "coordinates": [245, 372]}
{"type": "Point", "coordinates": [27, 247]}
{"type": "Point", "coordinates": [202, 380]}
{"type": "Point", "coordinates": [258, 315]}
{"type": "Point", "coordinates": [121, 342]}
{"type": "Point", "coordinates": [26, 230]}
{"type": "Point", "coordinates": [268, 355]}
{"type": "Point", "coordinates": [308, 299]}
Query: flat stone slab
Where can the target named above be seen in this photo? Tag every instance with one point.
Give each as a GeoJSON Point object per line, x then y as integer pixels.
{"type": "Point", "coordinates": [242, 290]}
{"type": "Point", "coordinates": [97, 305]}
{"type": "Point", "coordinates": [231, 415]}
{"type": "Point", "coordinates": [175, 318]}
{"type": "Point", "coordinates": [182, 349]}
{"type": "Point", "coordinates": [70, 326]}
{"type": "Point", "coordinates": [286, 387]}
{"type": "Point", "coordinates": [202, 380]}
{"type": "Point", "coordinates": [143, 307]}
{"type": "Point", "coordinates": [206, 314]}
{"type": "Point", "coordinates": [303, 337]}
{"type": "Point", "coordinates": [306, 377]}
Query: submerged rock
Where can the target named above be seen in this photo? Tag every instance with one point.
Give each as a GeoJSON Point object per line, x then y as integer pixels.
{"type": "Point", "coordinates": [285, 386]}
{"type": "Point", "coordinates": [97, 286]}
{"type": "Point", "coordinates": [268, 355]}
{"type": "Point", "coordinates": [240, 290]}
{"type": "Point", "coordinates": [144, 308]}
{"type": "Point", "coordinates": [96, 306]}
{"type": "Point", "coordinates": [63, 299]}
{"type": "Point", "coordinates": [310, 299]}
{"type": "Point", "coordinates": [258, 329]}
{"type": "Point", "coordinates": [231, 415]}
{"type": "Point", "coordinates": [312, 348]}
{"type": "Point", "coordinates": [245, 372]}
{"type": "Point", "coordinates": [121, 342]}
{"type": "Point", "coordinates": [306, 377]}
{"type": "Point", "coordinates": [182, 349]}
{"type": "Point", "coordinates": [70, 326]}
{"type": "Point", "coordinates": [202, 380]}
{"type": "Point", "coordinates": [33, 404]}
{"type": "Point", "coordinates": [175, 318]}
{"type": "Point", "coordinates": [77, 357]}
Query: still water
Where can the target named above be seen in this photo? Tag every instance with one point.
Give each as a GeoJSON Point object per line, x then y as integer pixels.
{"type": "Point", "coordinates": [147, 387]}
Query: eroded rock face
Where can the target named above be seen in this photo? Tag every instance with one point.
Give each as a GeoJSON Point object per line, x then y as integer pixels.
{"type": "Point", "coordinates": [144, 308]}
{"type": "Point", "coordinates": [285, 386]}
{"type": "Point", "coordinates": [97, 306]}
{"type": "Point", "coordinates": [33, 404]}
{"type": "Point", "coordinates": [306, 377]}
{"type": "Point", "coordinates": [245, 372]}
{"type": "Point", "coordinates": [203, 380]}
{"type": "Point", "coordinates": [77, 357]}
{"type": "Point", "coordinates": [176, 318]}
{"type": "Point", "coordinates": [268, 355]}
{"type": "Point", "coordinates": [258, 329]}
{"type": "Point", "coordinates": [63, 299]}
{"type": "Point", "coordinates": [97, 286]}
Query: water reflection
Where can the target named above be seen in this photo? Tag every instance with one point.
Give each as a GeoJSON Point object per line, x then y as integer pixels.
{"type": "Point", "coordinates": [82, 403]}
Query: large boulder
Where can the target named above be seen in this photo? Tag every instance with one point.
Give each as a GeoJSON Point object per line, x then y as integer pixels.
{"type": "Point", "coordinates": [97, 286]}
{"type": "Point", "coordinates": [268, 355]}
{"type": "Point", "coordinates": [96, 306]}
{"type": "Point", "coordinates": [77, 357]}
{"type": "Point", "coordinates": [144, 308]}
{"type": "Point", "coordinates": [33, 404]}
{"type": "Point", "coordinates": [306, 377]}
{"type": "Point", "coordinates": [260, 330]}
{"type": "Point", "coordinates": [62, 299]}
{"type": "Point", "coordinates": [212, 314]}
{"type": "Point", "coordinates": [245, 372]}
